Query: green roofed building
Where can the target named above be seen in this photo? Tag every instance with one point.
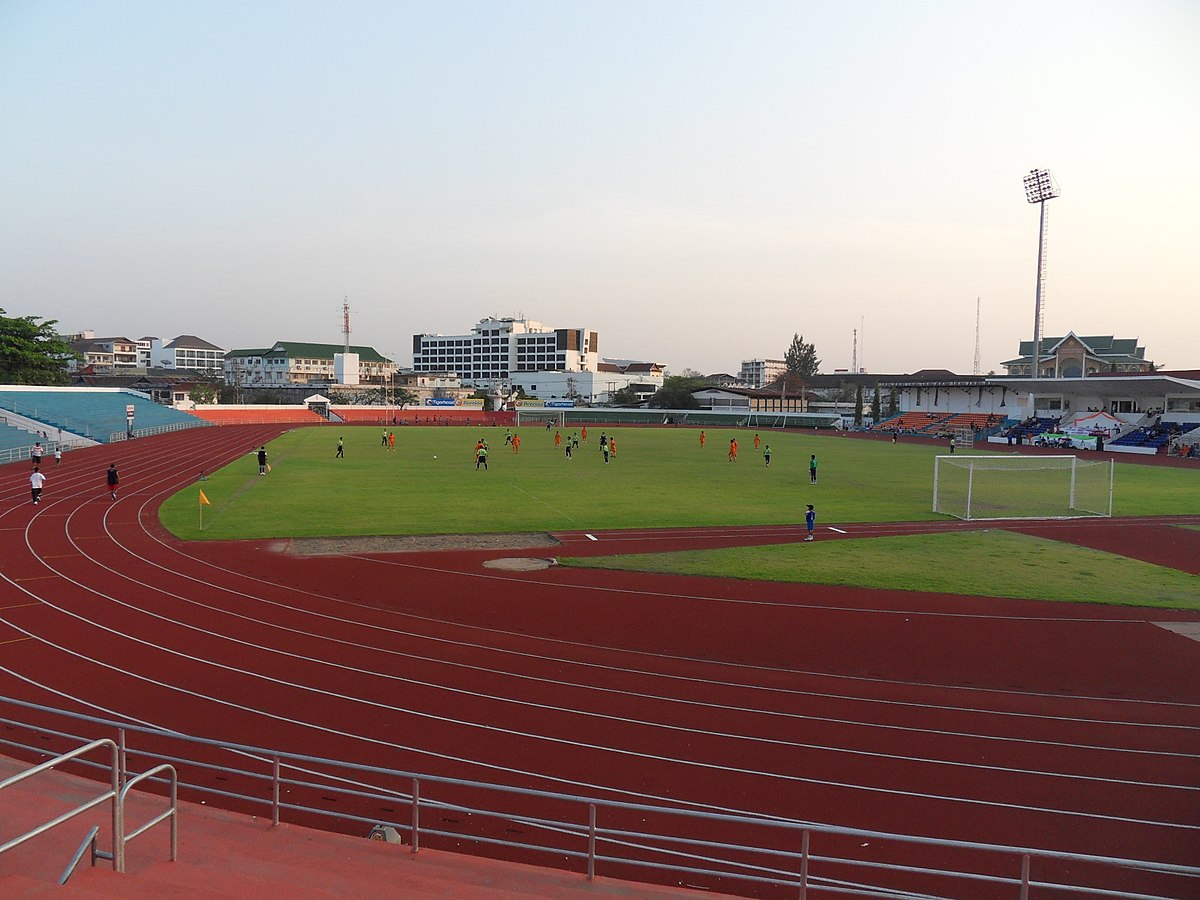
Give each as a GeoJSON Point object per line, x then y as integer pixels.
{"type": "Point", "coordinates": [1074, 356]}
{"type": "Point", "coordinates": [287, 363]}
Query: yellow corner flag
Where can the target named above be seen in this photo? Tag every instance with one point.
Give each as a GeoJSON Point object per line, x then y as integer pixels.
{"type": "Point", "coordinates": [204, 500]}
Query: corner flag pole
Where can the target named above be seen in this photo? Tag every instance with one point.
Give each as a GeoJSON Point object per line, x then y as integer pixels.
{"type": "Point", "coordinates": [203, 503]}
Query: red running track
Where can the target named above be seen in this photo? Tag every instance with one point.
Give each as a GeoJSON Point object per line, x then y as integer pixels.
{"type": "Point", "coordinates": [1015, 722]}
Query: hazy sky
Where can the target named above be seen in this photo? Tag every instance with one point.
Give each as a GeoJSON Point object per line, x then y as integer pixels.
{"type": "Point", "coordinates": [694, 180]}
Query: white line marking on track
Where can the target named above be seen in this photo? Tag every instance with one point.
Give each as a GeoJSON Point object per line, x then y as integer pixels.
{"type": "Point", "coordinates": [838, 530]}
{"type": "Point", "coordinates": [591, 537]}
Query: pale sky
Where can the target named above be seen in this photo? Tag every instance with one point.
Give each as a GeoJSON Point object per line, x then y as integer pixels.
{"type": "Point", "coordinates": [694, 180]}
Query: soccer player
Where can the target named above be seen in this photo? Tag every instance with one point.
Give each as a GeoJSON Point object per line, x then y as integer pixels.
{"type": "Point", "coordinates": [756, 443]}
{"type": "Point", "coordinates": [481, 455]}
{"type": "Point", "coordinates": [767, 454]}
{"type": "Point", "coordinates": [733, 449]}
{"type": "Point", "coordinates": [262, 463]}
{"type": "Point", "coordinates": [557, 439]}
{"type": "Point", "coordinates": [341, 451]}
{"type": "Point", "coordinates": [812, 469]}
{"type": "Point", "coordinates": [702, 440]}
{"type": "Point", "coordinates": [810, 521]}
{"type": "Point", "coordinates": [516, 443]}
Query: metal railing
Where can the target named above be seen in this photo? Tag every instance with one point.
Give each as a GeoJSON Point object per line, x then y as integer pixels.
{"type": "Point", "coordinates": [89, 842]}
{"type": "Point", "coordinates": [110, 795]}
{"type": "Point", "coordinates": [117, 795]}
{"type": "Point", "coordinates": [627, 839]}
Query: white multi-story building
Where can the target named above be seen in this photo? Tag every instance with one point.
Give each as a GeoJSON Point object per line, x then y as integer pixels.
{"type": "Point", "coordinates": [760, 372]}
{"type": "Point", "coordinates": [500, 350]}
{"type": "Point", "coordinates": [186, 352]}
{"type": "Point", "coordinates": [593, 388]}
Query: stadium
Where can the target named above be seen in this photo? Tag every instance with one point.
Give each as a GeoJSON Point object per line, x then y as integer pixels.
{"type": "Point", "coordinates": [629, 672]}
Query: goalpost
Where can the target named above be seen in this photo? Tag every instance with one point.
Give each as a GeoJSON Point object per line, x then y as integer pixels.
{"type": "Point", "coordinates": [1022, 487]}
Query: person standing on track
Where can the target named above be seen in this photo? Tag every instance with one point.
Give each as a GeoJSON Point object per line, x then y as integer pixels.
{"type": "Point", "coordinates": [35, 453]}
{"type": "Point", "coordinates": [36, 481]}
{"type": "Point", "coordinates": [810, 521]}
{"type": "Point", "coordinates": [112, 479]}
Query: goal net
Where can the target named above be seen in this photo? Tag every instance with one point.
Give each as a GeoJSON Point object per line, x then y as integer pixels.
{"type": "Point", "coordinates": [1021, 487]}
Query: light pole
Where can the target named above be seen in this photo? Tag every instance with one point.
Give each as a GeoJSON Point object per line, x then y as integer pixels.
{"type": "Point", "coordinates": [1039, 187]}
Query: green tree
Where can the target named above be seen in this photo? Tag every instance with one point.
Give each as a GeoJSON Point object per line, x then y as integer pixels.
{"type": "Point", "coordinates": [802, 364]}
{"type": "Point", "coordinates": [625, 396]}
{"type": "Point", "coordinates": [676, 393]}
{"type": "Point", "coordinates": [31, 352]}
{"type": "Point", "coordinates": [858, 406]}
{"type": "Point", "coordinates": [205, 391]}
{"type": "Point", "coordinates": [801, 358]}
{"type": "Point", "coordinates": [893, 402]}
{"type": "Point", "coordinates": [876, 404]}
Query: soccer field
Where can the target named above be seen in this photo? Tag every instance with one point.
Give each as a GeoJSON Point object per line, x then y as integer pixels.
{"type": "Point", "coordinates": [659, 477]}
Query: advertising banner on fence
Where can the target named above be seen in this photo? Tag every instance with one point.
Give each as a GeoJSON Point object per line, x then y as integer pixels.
{"type": "Point", "coordinates": [462, 403]}
{"type": "Point", "coordinates": [531, 404]}
{"type": "Point", "coordinates": [561, 404]}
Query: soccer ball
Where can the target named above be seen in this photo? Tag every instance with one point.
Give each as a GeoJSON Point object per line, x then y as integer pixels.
{"type": "Point", "coordinates": [435, 456]}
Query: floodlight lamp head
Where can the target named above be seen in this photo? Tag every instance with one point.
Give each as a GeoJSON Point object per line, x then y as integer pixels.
{"type": "Point", "coordinates": [1040, 185]}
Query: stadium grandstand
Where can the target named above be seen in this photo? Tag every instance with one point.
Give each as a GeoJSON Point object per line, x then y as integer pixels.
{"type": "Point", "coordinates": [99, 415]}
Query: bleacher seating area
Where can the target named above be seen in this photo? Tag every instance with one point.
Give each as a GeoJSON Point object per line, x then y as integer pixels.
{"type": "Point", "coordinates": [941, 423]}
{"type": "Point", "coordinates": [1027, 430]}
{"type": "Point", "coordinates": [94, 414]}
{"type": "Point", "coordinates": [12, 438]}
{"type": "Point", "coordinates": [222, 415]}
{"type": "Point", "coordinates": [1156, 436]}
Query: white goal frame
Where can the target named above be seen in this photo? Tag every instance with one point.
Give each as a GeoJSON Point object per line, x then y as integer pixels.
{"type": "Point", "coordinates": [1056, 487]}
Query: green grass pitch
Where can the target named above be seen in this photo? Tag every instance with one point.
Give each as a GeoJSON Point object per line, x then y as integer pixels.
{"type": "Point", "coordinates": [660, 477]}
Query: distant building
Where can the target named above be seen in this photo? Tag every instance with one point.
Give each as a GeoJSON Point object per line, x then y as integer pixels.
{"type": "Point", "coordinates": [593, 388]}
{"type": "Point", "coordinates": [187, 352]}
{"type": "Point", "coordinates": [1076, 357]}
{"type": "Point", "coordinates": [287, 363]}
{"type": "Point", "coordinates": [500, 349]}
{"type": "Point", "coordinates": [105, 354]}
{"type": "Point", "coordinates": [761, 372]}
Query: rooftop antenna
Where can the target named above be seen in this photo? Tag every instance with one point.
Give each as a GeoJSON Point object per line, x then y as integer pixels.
{"type": "Point", "coordinates": [976, 336]}
{"type": "Point", "coordinates": [345, 324]}
{"type": "Point", "coordinates": [854, 355]}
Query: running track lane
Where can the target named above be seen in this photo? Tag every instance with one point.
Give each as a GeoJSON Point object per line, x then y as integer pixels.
{"type": "Point", "coordinates": [867, 708]}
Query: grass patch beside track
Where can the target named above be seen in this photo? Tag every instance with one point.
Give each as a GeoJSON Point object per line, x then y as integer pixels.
{"type": "Point", "coordinates": [989, 564]}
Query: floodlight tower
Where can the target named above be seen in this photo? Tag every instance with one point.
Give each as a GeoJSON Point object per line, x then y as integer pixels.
{"type": "Point", "coordinates": [1039, 187]}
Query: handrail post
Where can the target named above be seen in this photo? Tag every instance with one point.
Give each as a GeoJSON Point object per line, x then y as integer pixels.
{"type": "Point", "coordinates": [804, 864]}
{"type": "Point", "coordinates": [1025, 876]}
{"type": "Point", "coordinates": [275, 789]}
{"type": "Point", "coordinates": [591, 852]}
{"type": "Point", "coordinates": [121, 759]}
{"type": "Point", "coordinates": [416, 814]}
{"type": "Point", "coordinates": [174, 815]}
{"type": "Point", "coordinates": [118, 823]}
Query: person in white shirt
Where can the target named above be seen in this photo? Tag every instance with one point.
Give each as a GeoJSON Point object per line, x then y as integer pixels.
{"type": "Point", "coordinates": [36, 480]}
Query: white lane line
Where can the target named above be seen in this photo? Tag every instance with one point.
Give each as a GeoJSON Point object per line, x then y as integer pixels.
{"type": "Point", "coordinates": [591, 537]}
{"type": "Point", "coordinates": [838, 530]}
